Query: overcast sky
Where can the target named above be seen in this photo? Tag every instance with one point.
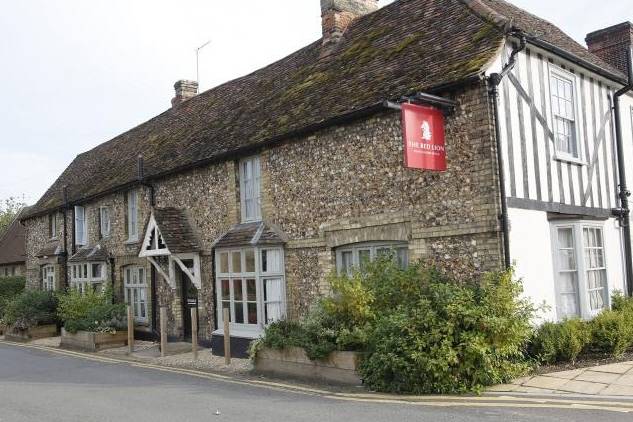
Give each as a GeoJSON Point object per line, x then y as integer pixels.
{"type": "Point", "coordinates": [76, 73]}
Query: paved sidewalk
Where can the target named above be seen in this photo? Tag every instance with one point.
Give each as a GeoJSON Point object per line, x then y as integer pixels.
{"type": "Point", "coordinates": [606, 380]}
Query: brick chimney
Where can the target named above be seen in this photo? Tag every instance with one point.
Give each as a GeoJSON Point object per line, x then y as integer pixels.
{"type": "Point", "coordinates": [336, 15]}
{"type": "Point", "coordinates": [184, 91]}
{"type": "Point", "coordinates": [612, 44]}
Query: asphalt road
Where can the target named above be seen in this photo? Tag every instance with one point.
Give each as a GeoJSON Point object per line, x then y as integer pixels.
{"type": "Point", "coordinates": [37, 385]}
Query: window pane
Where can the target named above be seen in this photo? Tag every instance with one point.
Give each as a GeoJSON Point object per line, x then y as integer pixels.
{"type": "Point", "coordinates": [346, 262]}
{"type": "Point", "coordinates": [251, 290]}
{"type": "Point", "coordinates": [364, 257]}
{"type": "Point", "coordinates": [224, 262]}
{"type": "Point", "coordinates": [237, 290]}
{"type": "Point", "coordinates": [250, 260]}
{"type": "Point", "coordinates": [568, 295]}
{"type": "Point", "coordinates": [239, 313]}
{"type": "Point", "coordinates": [252, 313]}
{"type": "Point", "coordinates": [226, 290]}
{"type": "Point", "coordinates": [236, 260]}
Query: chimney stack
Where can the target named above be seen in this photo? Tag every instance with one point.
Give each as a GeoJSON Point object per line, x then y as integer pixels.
{"type": "Point", "coordinates": [184, 90]}
{"type": "Point", "coordinates": [336, 15]}
{"type": "Point", "coordinates": [613, 44]}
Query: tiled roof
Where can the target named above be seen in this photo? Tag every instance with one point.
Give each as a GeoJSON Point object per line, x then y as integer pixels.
{"type": "Point", "coordinates": [403, 48]}
{"type": "Point", "coordinates": [53, 248]}
{"type": "Point", "coordinates": [176, 230]}
{"type": "Point", "coordinates": [250, 234]}
{"type": "Point", "coordinates": [95, 253]}
{"type": "Point", "coordinates": [12, 246]}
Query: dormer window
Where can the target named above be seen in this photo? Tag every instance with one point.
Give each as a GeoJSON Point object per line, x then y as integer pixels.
{"type": "Point", "coordinates": [250, 189]}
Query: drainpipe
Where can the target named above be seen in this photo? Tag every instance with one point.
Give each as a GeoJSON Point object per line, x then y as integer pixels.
{"type": "Point", "coordinates": [65, 237]}
{"type": "Point", "coordinates": [494, 81]}
{"type": "Point", "coordinates": [624, 193]}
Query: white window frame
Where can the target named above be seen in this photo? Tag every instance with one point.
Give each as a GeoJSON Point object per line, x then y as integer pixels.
{"type": "Point", "coordinates": [255, 194]}
{"type": "Point", "coordinates": [141, 288]}
{"type": "Point", "coordinates": [371, 247]}
{"type": "Point", "coordinates": [560, 73]}
{"type": "Point", "coordinates": [81, 234]}
{"type": "Point", "coordinates": [105, 223]}
{"type": "Point", "coordinates": [81, 275]}
{"type": "Point", "coordinates": [49, 283]}
{"type": "Point", "coordinates": [581, 266]}
{"type": "Point", "coordinates": [132, 216]}
{"type": "Point", "coordinates": [52, 221]}
{"type": "Point", "coordinates": [260, 276]}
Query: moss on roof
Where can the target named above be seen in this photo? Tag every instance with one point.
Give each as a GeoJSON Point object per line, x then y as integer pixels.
{"type": "Point", "coordinates": [407, 46]}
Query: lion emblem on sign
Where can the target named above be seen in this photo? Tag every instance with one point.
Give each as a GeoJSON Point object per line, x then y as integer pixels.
{"type": "Point", "coordinates": [427, 135]}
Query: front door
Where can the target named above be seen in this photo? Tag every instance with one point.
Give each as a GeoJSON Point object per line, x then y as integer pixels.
{"type": "Point", "coordinates": [189, 300]}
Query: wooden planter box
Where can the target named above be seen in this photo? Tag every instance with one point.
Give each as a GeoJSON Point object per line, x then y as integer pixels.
{"type": "Point", "coordinates": [93, 342]}
{"type": "Point", "coordinates": [33, 333]}
{"type": "Point", "coordinates": [339, 368]}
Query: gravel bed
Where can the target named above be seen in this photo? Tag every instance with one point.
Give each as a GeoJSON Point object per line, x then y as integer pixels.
{"type": "Point", "coordinates": [206, 362]}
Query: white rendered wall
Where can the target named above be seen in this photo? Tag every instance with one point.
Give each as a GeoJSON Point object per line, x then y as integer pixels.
{"type": "Point", "coordinates": [531, 252]}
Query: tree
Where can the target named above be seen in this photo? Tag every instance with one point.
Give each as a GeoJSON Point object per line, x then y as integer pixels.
{"type": "Point", "coordinates": [9, 208]}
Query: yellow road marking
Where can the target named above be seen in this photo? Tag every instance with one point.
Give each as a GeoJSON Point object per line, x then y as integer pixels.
{"type": "Point", "coordinates": [506, 401]}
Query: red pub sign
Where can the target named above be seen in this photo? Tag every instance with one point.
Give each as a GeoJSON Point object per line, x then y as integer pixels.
{"type": "Point", "coordinates": [423, 133]}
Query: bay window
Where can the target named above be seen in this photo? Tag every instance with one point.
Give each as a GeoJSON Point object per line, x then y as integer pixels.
{"type": "Point", "coordinates": [581, 269]}
{"type": "Point", "coordinates": [250, 283]}
{"type": "Point", "coordinates": [355, 257]}
{"type": "Point", "coordinates": [87, 275]}
{"type": "Point", "coordinates": [135, 287]}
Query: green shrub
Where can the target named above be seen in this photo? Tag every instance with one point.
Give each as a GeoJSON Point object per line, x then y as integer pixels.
{"type": "Point", "coordinates": [92, 311]}
{"type": "Point", "coordinates": [453, 338]}
{"type": "Point", "coordinates": [420, 331]}
{"type": "Point", "coordinates": [560, 342]}
{"type": "Point", "coordinates": [31, 308]}
{"type": "Point", "coordinates": [612, 332]}
{"type": "Point", "coordinates": [10, 287]}
{"type": "Point", "coordinates": [622, 303]}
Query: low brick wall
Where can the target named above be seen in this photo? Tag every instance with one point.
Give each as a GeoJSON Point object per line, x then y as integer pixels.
{"type": "Point", "coordinates": [339, 368]}
{"type": "Point", "coordinates": [92, 342]}
{"type": "Point", "coordinates": [34, 333]}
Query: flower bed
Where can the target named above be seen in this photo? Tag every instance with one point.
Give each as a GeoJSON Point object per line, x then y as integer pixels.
{"type": "Point", "coordinates": [91, 341]}
{"type": "Point", "coordinates": [338, 368]}
{"type": "Point", "coordinates": [31, 333]}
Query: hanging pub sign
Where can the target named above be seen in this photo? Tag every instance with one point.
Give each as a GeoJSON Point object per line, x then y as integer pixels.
{"type": "Point", "coordinates": [423, 133]}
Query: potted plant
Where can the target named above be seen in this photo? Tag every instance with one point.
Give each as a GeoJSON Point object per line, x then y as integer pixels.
{"type": "Point", "coordinates": [91, 322]}
{"type": "Point", "coordinates": [30, 315]}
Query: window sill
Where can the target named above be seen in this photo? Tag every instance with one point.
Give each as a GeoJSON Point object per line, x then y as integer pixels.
{"type": "Point", "coordinates": [570, 160]}
{"type": "Point", "coordinates": [131, 241]}
{"type": "Point", "coordinates": [247, 334]}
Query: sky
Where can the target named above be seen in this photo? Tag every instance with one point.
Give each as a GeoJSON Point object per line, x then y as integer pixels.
{"type": "Point", "coordinates": [76, 73]}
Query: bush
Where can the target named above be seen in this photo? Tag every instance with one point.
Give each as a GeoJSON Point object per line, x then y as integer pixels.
{"type": "Point", "coordinates": [612, 332]}
{"type": "Point", "coordinates": [31, 308]}
{"type": "Point", "coordinates": [420, 332]}
{"type": "Point", "coordinates": [560, 342]}
{"type": "Point", "coordinates": [91, 311]}
{"type": "Point", "coordinates": [10, 287]}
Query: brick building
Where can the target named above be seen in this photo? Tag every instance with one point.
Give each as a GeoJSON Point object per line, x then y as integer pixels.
{"type": "Point", "coordinates": [247, 195]}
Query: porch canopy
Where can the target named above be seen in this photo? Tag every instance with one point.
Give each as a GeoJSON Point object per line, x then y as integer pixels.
{"type": "Point", "coordinates": [169, 241]}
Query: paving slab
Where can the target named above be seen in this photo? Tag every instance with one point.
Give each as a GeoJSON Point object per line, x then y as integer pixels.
{"type": "Point", "coordinates": [614, 368]}
{"type": "Point", "coordinates": [618, 390]}
{"type": "Point", "coordinates": [548, 383]}
{"type": "Point", "coordinates": [600, 377]}
{"type": "Point", "coordinates": [626, 379]}
{"type": "Point", "coordinates": [566, 374]}
{"type": "Point", "coordinates": [583, 387]}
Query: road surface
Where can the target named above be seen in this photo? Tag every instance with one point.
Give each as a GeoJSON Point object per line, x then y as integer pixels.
{"type": "Point", "coordinates": [40, 385]}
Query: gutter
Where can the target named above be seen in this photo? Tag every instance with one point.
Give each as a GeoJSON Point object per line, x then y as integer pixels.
{"type": "Point", "coordinates": [624, 193]}
{"type": "Point", "coordinates": [249, 149]}
{"type": "Point", "coordinates": [495, 80]}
